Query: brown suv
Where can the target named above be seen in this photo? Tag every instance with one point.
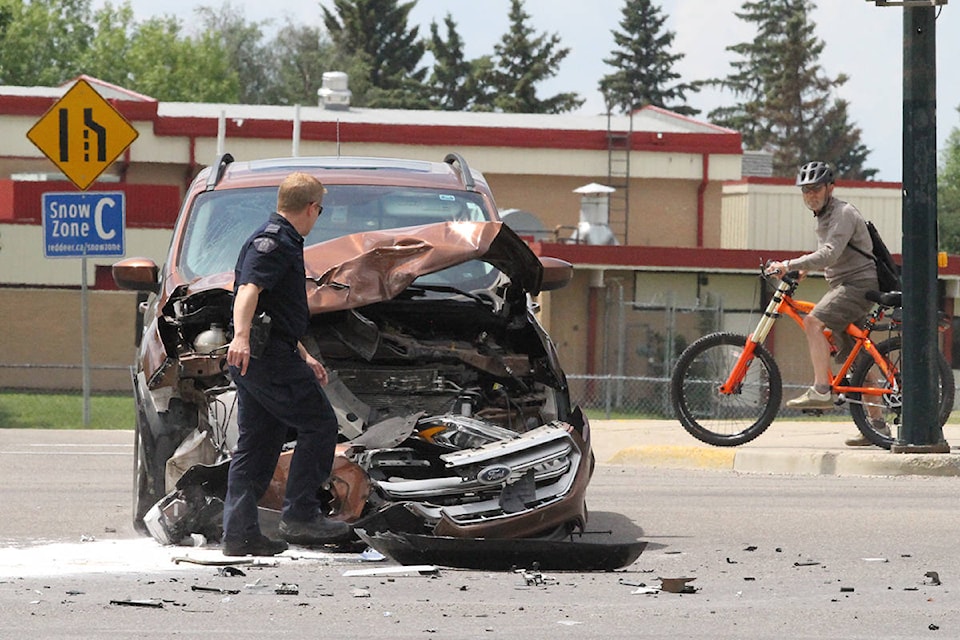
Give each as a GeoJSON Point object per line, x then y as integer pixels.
{"type": "Point", "coordinates": [449, 393]}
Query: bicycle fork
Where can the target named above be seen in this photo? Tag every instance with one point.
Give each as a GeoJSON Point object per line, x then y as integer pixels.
{"type": "Point", "coordinates": [770, 316]}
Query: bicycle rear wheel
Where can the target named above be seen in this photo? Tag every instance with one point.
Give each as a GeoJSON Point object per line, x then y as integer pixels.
{"type": "Point", "coordinates": [724, 420]}
{"type": "Point", "coordinates": [890, 406]}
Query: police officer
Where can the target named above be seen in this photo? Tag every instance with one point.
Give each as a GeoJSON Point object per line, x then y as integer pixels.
{"type": "Point", "coordinates": [281, 388]}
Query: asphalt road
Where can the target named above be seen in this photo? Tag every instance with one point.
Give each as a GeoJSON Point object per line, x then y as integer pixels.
{"type": "Point", "coordinates": [771, 556]}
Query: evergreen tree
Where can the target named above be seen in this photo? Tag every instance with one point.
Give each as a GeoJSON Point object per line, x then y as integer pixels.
{"type": "Point", "coordinates": [644, 67]}
{"type": "Point", "coordinates": [786, 104]}
{"type": "Point", "coordinates": [374, 34]}
{"type": "Point", "coordinates": [457, 84]}
{"type": "Point", "coordinates": [523, 61]}
{"type": "Point", "coordinates": [948, 194]}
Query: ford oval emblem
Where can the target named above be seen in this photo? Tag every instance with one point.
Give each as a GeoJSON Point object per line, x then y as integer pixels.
{"type": "Point", "coordinates": [493, 474]}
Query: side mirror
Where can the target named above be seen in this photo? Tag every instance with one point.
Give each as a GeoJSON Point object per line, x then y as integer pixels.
{"type": "Point", "coordinates": [557, 273]}
{"type": "Point", "coordinates": [137, 274]}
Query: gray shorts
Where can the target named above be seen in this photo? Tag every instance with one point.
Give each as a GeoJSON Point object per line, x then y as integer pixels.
{"type": "Point", "coordinates": [845, 303]}
{"type": "Point", "coordinates": [841, 305]}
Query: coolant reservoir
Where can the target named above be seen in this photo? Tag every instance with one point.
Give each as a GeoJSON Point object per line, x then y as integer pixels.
{"type": "Point", "coordinates": [211, 339]}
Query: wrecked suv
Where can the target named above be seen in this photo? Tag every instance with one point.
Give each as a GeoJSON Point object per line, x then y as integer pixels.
{"type": "Point", "coordinates": [449, 395]}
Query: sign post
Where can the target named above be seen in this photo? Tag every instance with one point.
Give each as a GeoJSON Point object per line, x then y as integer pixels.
{"type": "Point", "coordinates": [83, 134]}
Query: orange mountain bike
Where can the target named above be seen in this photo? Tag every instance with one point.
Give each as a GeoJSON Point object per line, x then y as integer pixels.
{"type": "Point", "coordinates": [726, 388]}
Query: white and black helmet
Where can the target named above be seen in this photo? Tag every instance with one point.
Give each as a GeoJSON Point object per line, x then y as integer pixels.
{"type": "Point", "coordinates": [815, 173]}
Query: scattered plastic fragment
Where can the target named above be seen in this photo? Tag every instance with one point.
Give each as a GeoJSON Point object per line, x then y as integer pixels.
{"type": "Point", "coordinates": [677, 585]}
{"type": "Point", "coordinates": [214, 589]}
{"type": "Point", "coordinates": [631, 583]}
{"type": "Point", "coordinates": [932, 627]}
{"type": "Point", "coordinates": [646, 590]}
{"type": "Point", "coordinates": [875, 560]}
{"type": "Point", "coordinates": [934, 578]}
{"type": "Point", "coordinates": [230, 572]}
{"type": "Point", "coordinates": [152, 604]}
{"type": "Point", "coordinates": [422, 569]}
{"type": "Point", "coordinates": [729, 561]}
{"type": "Point", "coordinates": [751, 548]}
{"type": "Point", "coordinates": [287, 589]}
{"type": "Point", "coordinates": [846, 589]}
{"type": "Point", "coordinates": [808, 563]}
{"type": "Point", "coordinates": [360, 593]}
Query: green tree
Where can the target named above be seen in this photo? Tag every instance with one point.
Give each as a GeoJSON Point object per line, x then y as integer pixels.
{"type": "Point", "coordinates": [107, 57]}
{"type": "Point", "coordinates": [786, 103]}
{"type": "Point", "coordinates": [43, 40]}
{"type": "Point", "coordinates": [948, 193]}
{"type": "Point", "coordinates": [373, 36]}
{"type": "Point", "coordinates": [169, 66]}
{"type": "Point", "coordinates": [299, 56]}
{"type": "Point", "coordinates": [457, 84]}
{"type": "Point", "coordinates": [242, 42]}
{"type": "Point", "coordinates": [522, 62]}
{"type": "Point", "coordinates": [644, 65]}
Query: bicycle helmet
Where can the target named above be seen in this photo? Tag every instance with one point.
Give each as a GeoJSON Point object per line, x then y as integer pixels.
{"type": "Point", "coordinates": [815, 173]}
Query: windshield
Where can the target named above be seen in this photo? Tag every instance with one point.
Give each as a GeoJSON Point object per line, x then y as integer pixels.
{"type": "Point", "coordinates": [220, 221]}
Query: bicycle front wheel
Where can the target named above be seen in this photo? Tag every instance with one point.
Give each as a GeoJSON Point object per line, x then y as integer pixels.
{"type": "Point", "coordinates": [725, 419]}
{"type": "Point", "coordinates": [889, 406]}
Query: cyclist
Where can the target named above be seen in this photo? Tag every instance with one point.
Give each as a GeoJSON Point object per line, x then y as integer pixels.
{"type": "Point", "coordinates": [849, 275]}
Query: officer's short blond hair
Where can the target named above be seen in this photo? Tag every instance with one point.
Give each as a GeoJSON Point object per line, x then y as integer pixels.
{"type": "Point", "coordinates": [298, 190]}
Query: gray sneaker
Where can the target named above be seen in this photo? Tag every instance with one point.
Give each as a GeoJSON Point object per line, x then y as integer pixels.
{"type": "Point", "coordinates": [812, 399]}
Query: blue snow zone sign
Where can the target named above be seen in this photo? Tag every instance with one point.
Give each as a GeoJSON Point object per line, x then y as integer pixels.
{"type": "Point", "coordinates": [84, 224]}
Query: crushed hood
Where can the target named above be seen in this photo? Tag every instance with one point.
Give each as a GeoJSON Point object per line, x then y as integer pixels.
{"type": "Point", "coordinates": [364, 268]}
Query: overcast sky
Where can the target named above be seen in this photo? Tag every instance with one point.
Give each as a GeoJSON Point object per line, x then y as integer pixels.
{"type": "Point", "coordinates": [863, 41]}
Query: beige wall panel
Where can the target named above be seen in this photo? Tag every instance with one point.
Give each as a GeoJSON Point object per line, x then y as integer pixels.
{"type": "Point", "coordinates": [663, 213]}
{"type": "Point", "coordinates": [569, 323]}
{"type": "Point", "coordinates": [22, 260]}
{"type": "Point", "coordinates": [45, 329]}
{"type": "Point", "coordinates": [776, 219]}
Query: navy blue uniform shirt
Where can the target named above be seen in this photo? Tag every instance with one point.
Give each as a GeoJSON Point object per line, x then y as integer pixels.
{"type": "Point", "coordinates": [272, 258]}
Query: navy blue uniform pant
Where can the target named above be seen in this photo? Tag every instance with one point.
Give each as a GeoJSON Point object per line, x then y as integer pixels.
{"type": "Point", "coordinates": [279, 392]}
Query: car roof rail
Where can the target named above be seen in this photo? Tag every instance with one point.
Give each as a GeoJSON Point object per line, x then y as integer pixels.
{"type": "Point", "coordinates": [465, 175]}
{"type": "Point", "coordinates": [216, 173]}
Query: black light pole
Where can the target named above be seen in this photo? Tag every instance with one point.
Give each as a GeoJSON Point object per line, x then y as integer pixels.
{"type": "Point", "coordinates": [920, 431]}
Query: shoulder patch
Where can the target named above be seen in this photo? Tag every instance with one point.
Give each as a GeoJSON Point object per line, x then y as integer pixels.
{"type": "Point", "coordinates": [264, 245]}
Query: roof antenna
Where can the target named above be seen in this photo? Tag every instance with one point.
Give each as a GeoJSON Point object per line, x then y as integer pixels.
{"type": "Point", "coordinates": [338, 137]}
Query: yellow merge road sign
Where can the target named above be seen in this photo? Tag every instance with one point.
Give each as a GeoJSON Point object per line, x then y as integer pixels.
{"type": "Point", "coordinates": [82, 134]}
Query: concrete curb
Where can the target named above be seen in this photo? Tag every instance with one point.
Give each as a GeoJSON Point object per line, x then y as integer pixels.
{"type": "Point", "coordinates": [790, 461]}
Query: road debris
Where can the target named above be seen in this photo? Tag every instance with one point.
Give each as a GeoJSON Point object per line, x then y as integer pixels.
{"type": "Point", "coordinates": [151, 604]}
{"type": "Point", "coordinates": [677, 585]}
{"type": "Point", "coordinates": [933, 577]}
{"type": "Point", "coordinates": [421, 569]}
{"type": "Point", "coordinates": [219, 590]}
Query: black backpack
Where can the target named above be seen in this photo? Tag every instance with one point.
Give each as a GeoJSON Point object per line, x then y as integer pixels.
{"type": "Point", "coordinates": [888, 271]}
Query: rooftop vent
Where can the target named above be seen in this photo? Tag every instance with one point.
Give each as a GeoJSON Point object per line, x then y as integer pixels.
{"type": "Point", "coordinates": [594, 227]}
{"type": "Point", "coordinates": [334, 94]}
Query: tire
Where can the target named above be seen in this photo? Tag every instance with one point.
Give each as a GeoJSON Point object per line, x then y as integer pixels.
{"type": "Point", "coordinates": [724, 420]}
{"type": "Point", "coordinates": [145, 494]}
{"type": "Point", "coordinates": [892, 405]}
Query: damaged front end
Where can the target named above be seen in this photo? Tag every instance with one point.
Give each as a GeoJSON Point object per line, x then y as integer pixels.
{"type": "Point", "coordinates": [450, 399]}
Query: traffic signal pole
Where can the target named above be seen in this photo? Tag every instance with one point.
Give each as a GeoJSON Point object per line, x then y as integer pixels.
{"type": "Point", "coordinates": [920, 431]}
